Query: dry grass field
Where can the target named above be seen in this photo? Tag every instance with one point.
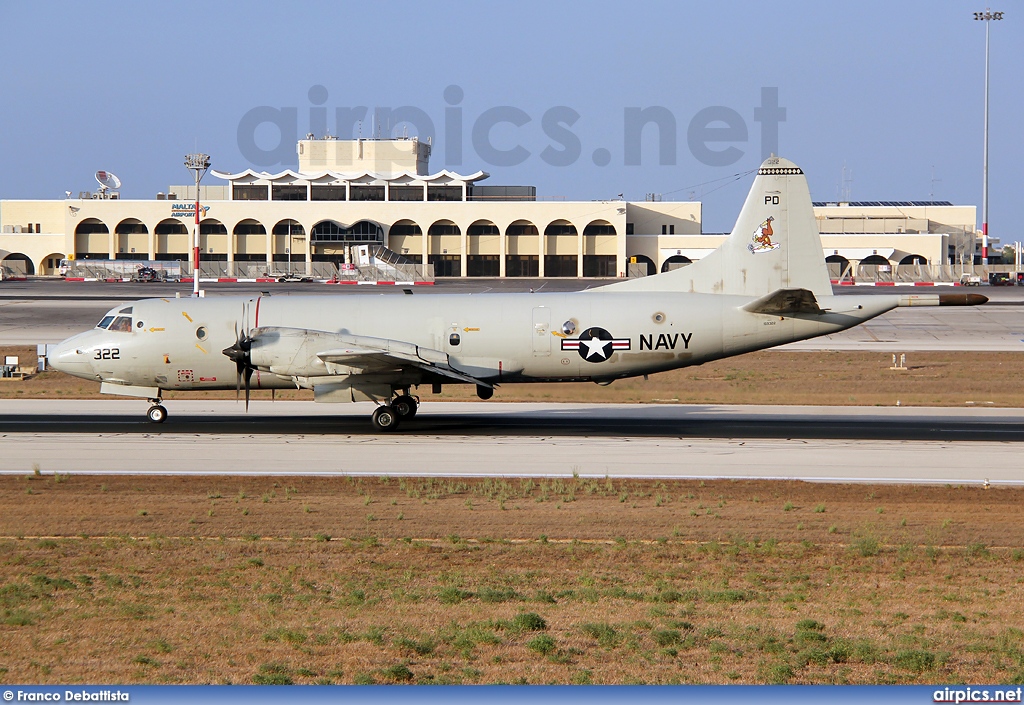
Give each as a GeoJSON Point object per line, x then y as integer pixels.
{"type": "Point", "coordinates": [377, 580]}
{"type": "Point", "coordinates": [811, 378]}
{"type": "Point", "coordinates": [384, 580]}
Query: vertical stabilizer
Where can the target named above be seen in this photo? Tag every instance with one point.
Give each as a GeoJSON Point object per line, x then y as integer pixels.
{"type": "Point", "coordinates": [774, 245]}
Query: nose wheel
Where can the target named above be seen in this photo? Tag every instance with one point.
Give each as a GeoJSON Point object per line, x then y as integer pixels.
{"type": "Point", "coordinates": [157, 414]}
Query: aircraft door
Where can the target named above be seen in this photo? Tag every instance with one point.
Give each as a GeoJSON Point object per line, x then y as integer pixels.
{"type": "Point", "coordinates": [541, 331]}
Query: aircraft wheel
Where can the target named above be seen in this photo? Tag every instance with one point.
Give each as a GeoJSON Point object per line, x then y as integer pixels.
{"type": "Point", "coordinates": [405, 406]}
{"type": "Point", "coordinates": [385, 418]}
{"type": "Point", "coordinates": [157, 414]}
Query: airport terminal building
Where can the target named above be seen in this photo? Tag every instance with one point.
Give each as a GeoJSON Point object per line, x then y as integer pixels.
{"type": "Point", "coordinates": [380, 192]}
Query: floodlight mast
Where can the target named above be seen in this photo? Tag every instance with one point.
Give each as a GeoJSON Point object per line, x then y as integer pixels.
{"type": "Point", "coordinates": [987, 16]}
{"type": "Point", "coordinates": [197, 164]}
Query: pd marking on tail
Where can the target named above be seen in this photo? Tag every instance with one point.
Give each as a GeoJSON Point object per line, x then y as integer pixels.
{"type": "Point", "coordinates": [761, 240]}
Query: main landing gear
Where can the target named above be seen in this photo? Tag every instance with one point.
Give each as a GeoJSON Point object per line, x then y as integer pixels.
{"type": "Point", "coordinates": [405, 406]}
{"type": "Point", "coordinates": [156, 413]}
{"type": "Point", "coordinates": [387, 417]}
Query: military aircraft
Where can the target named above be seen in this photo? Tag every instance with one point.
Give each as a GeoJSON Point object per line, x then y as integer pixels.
{"type": "Point", "coordinates": [765, 286]}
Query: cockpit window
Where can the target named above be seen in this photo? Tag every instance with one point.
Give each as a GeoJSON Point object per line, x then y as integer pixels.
{"type": "Point", "coordinates": [105, 322]}
{"type": "Point", "coordinates": [122, 324]}
{"type": "Point", "coordinates": [126, 310]}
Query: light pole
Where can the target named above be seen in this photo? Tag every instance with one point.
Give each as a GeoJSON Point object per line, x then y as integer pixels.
{"type": "Point", "coordinates": [986, 17]}
{"type": "Point", "coordinates": [197, 164]}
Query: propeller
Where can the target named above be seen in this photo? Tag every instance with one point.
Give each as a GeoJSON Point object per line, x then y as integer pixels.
{"type": "Point", "coordinates": [240, 354]}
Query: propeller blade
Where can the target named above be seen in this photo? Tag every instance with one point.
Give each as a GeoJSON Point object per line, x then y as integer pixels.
{"type": "Point", "coordinates": [239, 353]}
{"type": "Point", "coordinates": [248, 376]}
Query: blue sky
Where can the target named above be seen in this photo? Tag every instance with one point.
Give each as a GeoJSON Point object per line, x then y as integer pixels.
{"type": "Point", "coordinates": [893, 91]}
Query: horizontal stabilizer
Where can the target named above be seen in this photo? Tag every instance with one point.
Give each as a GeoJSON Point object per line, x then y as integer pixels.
{"type": "Point", "coordinates": [785, 302]}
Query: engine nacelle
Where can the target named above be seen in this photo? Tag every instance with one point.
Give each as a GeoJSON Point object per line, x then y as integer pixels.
{"type": "Point", "coordinates": [290, 352]}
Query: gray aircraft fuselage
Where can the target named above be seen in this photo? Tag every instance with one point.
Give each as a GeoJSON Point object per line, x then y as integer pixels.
{"type": "Point", "coordinates": [177, 343]}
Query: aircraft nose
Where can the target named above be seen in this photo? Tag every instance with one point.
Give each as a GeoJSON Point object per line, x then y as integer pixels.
{"type": "Point", "coordinates": [71, 357]}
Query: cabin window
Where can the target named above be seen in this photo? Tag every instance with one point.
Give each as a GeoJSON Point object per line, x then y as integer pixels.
{"type": "Point", "coordinates": [454, 339]}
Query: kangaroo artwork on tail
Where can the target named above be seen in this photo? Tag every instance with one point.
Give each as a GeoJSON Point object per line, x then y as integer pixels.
{"type": "Point", "coordinates": [767, 285]}
{"type": "Point", "coordinates": [761, 240]}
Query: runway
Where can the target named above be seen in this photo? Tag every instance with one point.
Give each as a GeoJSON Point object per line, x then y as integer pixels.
{"type": "Point", "coordinates": [832, 444]}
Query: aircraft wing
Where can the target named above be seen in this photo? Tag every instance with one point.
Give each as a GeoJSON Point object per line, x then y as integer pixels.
{"type": "Point", "coordinates": [783, 302]}
{"type": "Point", "coordinates": [370, 353]}
{"type": "Point", "coordinates": [291, 350]}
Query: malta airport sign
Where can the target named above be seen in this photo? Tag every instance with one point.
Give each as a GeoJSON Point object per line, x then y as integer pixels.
{"type": "Point", "coordinates": [187, 210]}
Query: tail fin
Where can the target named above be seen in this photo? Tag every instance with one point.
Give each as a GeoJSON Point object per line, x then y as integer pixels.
{"type": "Point", "coordinates": [774, 245]}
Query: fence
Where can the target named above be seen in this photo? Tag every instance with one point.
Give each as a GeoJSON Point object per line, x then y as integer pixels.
{"type": "Point", "coordinates": [316, 270]}
{"type": "Point", "coordinates": [399, 272]}
{"type": "Point", "coordinates": [915, 273]}
{"type": "Point", "coordinates": [126, 269]}
{"type": "Point", "coordinates": [121, 269]}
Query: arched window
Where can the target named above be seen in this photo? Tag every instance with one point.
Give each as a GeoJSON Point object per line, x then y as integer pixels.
{"type": "Point", "coordinates": [675, 262]}
{"type": "Point", "coordinates": [132, 239]}
{"type": "Point", "coordinates": [445, 249]}
{"type": "Point", "coordinates": [913, 259]}
{"type": "Point", "coordinates": [250, 227]}
{"type": "Point", "coordinates": [600, 245]}
{"type": "Point", "coordinates": [250, 241]}
{"type": "Point", "coordinates": [92, 240]}
{"type": "Point", "coordinates": [289, 241]}
{"type": "Point", "coordinates": [522, 248]}
{"type": "Point", "coordinates": [875, 261]}
{"type": "Point", "coordinates": [173, 240]}
{"type": "Point", "coordinates": [484, 256]}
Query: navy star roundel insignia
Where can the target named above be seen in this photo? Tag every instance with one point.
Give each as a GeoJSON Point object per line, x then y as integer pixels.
{"type": "Point", "coordinates": [595, 344]}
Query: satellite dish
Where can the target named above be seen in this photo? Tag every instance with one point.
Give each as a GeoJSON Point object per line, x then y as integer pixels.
{"type": "Point", "coordinates": [107, 181]}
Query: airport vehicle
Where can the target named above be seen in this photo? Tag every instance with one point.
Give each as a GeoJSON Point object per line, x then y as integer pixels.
{"type": "Point", "coordinates": [146, 274]}
{"type": "Point", "coordinates": [970, 280]}
{"type": "Point", "coordinates": [1001, 279]}
{"type": "Point", "coordinates": [291, 277]}
{"type": "Point", "coordinates": [765, 286]}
